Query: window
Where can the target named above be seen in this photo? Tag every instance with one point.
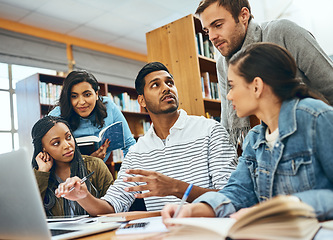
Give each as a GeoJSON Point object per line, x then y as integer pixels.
{"type": "Point", "coordinates": [9, 76]}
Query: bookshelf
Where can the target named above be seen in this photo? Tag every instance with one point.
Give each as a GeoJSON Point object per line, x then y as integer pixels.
{"type": "Point", "coordinates": [136, 116]}
{"type": "Point", "coordinates": [176, 45]}
{"type": "Point", "coordinates": [37, 95]}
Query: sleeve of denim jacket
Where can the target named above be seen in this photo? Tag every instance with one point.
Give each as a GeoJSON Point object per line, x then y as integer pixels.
{"type": "Point", "coordinates": [112, 108]}
{"type": "Point", "coordinates": [321, 199]}
{"type": "Point", "coordinates": [221, 205]}
{"type": "Point", "coordinates": [238, 193]}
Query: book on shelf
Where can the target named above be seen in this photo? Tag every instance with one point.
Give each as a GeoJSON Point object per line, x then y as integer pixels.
{"type": "Point", "coordinates": [212, 51]}
{"type": "Point", "coordinates": [206, 82]}
{"type": "Point", "coordinates": [125, 103]}
{"type": "Point", "coordinates": [281, 217]}
{"type": "Point", "coordinates": [205, 46]}
{"type": "Point", "coordinates": [49, 93]}
{"type": "Point", "coordinates": [117, 156]}
{"type": "Point", "coordinates": [210, 87]}
{"type": "Point", "coordinates": [113, 132]}
{"type": "Point", "coordinates": [210, 116]}
{"type": "Point", "coordinates": [209, 51]}
{"type": "Point", "coordinates": [214, 90]}
{"type": "Point", "coordinates": [200, 43]}
{"type": "Point", "coordinates": [145, 125]}
{"type": "Point", "coordinates": [202, 86]}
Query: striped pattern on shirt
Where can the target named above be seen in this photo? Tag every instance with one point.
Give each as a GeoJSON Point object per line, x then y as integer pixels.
{"type": "Point", "coordinates": [196, 151]}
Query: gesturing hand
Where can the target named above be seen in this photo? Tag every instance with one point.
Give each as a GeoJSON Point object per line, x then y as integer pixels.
{"type": "Point", "coordinates": [157, 183]}
{"type": "Point", "coordinates": [44, 161]}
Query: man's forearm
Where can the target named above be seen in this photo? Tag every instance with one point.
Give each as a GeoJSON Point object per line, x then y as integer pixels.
{"type": "Point", "coordinates": [180, 188]}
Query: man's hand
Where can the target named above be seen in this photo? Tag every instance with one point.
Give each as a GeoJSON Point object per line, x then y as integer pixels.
{"type": "Point", "coordinates": [157, 183]}
{"type": "Point", "coordinates": [101, 152]}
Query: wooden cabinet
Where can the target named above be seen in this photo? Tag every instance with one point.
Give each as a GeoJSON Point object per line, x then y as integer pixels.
{"type": "Point", "coordinates": [175, 45]}
{"type": "Point", "coordinates": [37, 94]}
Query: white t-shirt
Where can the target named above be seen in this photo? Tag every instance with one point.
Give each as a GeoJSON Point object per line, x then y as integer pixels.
{"type": "Point", "coordinates": [271, 137]}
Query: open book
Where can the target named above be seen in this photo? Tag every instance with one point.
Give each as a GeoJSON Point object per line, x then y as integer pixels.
{"type": "Point", "coordinates": [281, 217]}
{"type": "Point", "coordinates": [113, 132]}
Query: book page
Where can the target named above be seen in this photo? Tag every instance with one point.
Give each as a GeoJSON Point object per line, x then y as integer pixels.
{"type": "Point", "coordinates": [327, 224]}
{"type": "Point", "coordinates": [278, 218]}
{"type": "Point", "coordinates": [219, 226]}
{"type": "Point", "coordinates": [81, 141]}
{"type": "Point", "coordinates": [113, 132]}
{"type": "Point", "coordinates": [279, 228]}
{"type": "Point", "coordinates": [274, 206]}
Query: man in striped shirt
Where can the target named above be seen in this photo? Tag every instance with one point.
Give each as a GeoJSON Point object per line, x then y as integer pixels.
{"type": "Point", "coordinates": [177, 150]}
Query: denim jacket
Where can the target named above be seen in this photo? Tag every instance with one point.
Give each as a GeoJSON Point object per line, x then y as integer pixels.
{"type": "Point", "coordinates": [87, 126]}
{"type": "Point", "coordinates": [300, 163]}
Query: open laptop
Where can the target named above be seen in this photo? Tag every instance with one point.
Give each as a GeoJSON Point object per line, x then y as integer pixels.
{"type": "Point", "coordinates": [22, 214]}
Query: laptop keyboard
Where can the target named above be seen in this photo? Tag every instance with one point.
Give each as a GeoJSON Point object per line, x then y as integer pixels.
{"type": "Point", "coordinates": [55, 232]}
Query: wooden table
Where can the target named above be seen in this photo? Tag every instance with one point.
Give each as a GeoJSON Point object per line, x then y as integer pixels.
{"type": "Point", "coordinates": [111, 235]}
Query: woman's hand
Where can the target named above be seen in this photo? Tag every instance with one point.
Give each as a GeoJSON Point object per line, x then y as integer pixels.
{"type": "Point", "coordinates": [44, 161]}
{"type": "Point", "coordinates": [188, 210]}
{"type": "Point", "coordinates": [241, 212]}
{"type": "Point", "coordinates": [80, 191]}
{"type": "Point", "coordinates": [101, 152]}
{"type": "Point", "coordinates": [170, 209]}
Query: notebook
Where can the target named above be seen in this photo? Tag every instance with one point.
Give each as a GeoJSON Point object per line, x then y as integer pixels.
{"type": "Point", "coordinates": [22, 214]}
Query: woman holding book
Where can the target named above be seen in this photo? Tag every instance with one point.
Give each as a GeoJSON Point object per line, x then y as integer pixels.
{"type": "Point", "coordinates": [56, 158]}
{"type": "Point", "coordinates": [87, 112]}
{"type": "Point", "coordinates": [289, 153]}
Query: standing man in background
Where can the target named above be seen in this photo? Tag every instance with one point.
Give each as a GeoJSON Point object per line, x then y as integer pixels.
{"type": "Point", "coordinates": [230, 26]}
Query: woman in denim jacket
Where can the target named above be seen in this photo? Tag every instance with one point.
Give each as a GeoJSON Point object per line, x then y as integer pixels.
{"type": "Point", "coordinates": [289, 153]}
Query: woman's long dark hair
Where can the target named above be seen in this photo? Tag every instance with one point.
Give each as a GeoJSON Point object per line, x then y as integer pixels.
{"type": "Point", "coordinates": [78, 168]}
{"type": "Point", "coordinates": [276, 67]}
{"type": "Point", "coordinates": [65, 104]}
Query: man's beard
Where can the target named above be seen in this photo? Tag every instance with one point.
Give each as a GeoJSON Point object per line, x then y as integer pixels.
{"type": "Point", "coordinates": [156, 110]}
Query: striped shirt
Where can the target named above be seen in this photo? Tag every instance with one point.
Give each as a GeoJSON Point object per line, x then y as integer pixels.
{"type": "Point", "coordinates": [197, 151]}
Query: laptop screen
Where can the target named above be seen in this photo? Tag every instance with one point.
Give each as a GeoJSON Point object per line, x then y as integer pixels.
{"type": "Point", "coordinates": [22, 215]}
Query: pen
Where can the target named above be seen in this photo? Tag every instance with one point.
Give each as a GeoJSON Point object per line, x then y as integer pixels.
{"type": "Point", "coordinates": [82, 181]}
{"type": "Point", "coordinates": [187, 192]}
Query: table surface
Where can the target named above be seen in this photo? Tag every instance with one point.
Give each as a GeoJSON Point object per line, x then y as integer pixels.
{"type": "Point", "coordinates": [323, 234]}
